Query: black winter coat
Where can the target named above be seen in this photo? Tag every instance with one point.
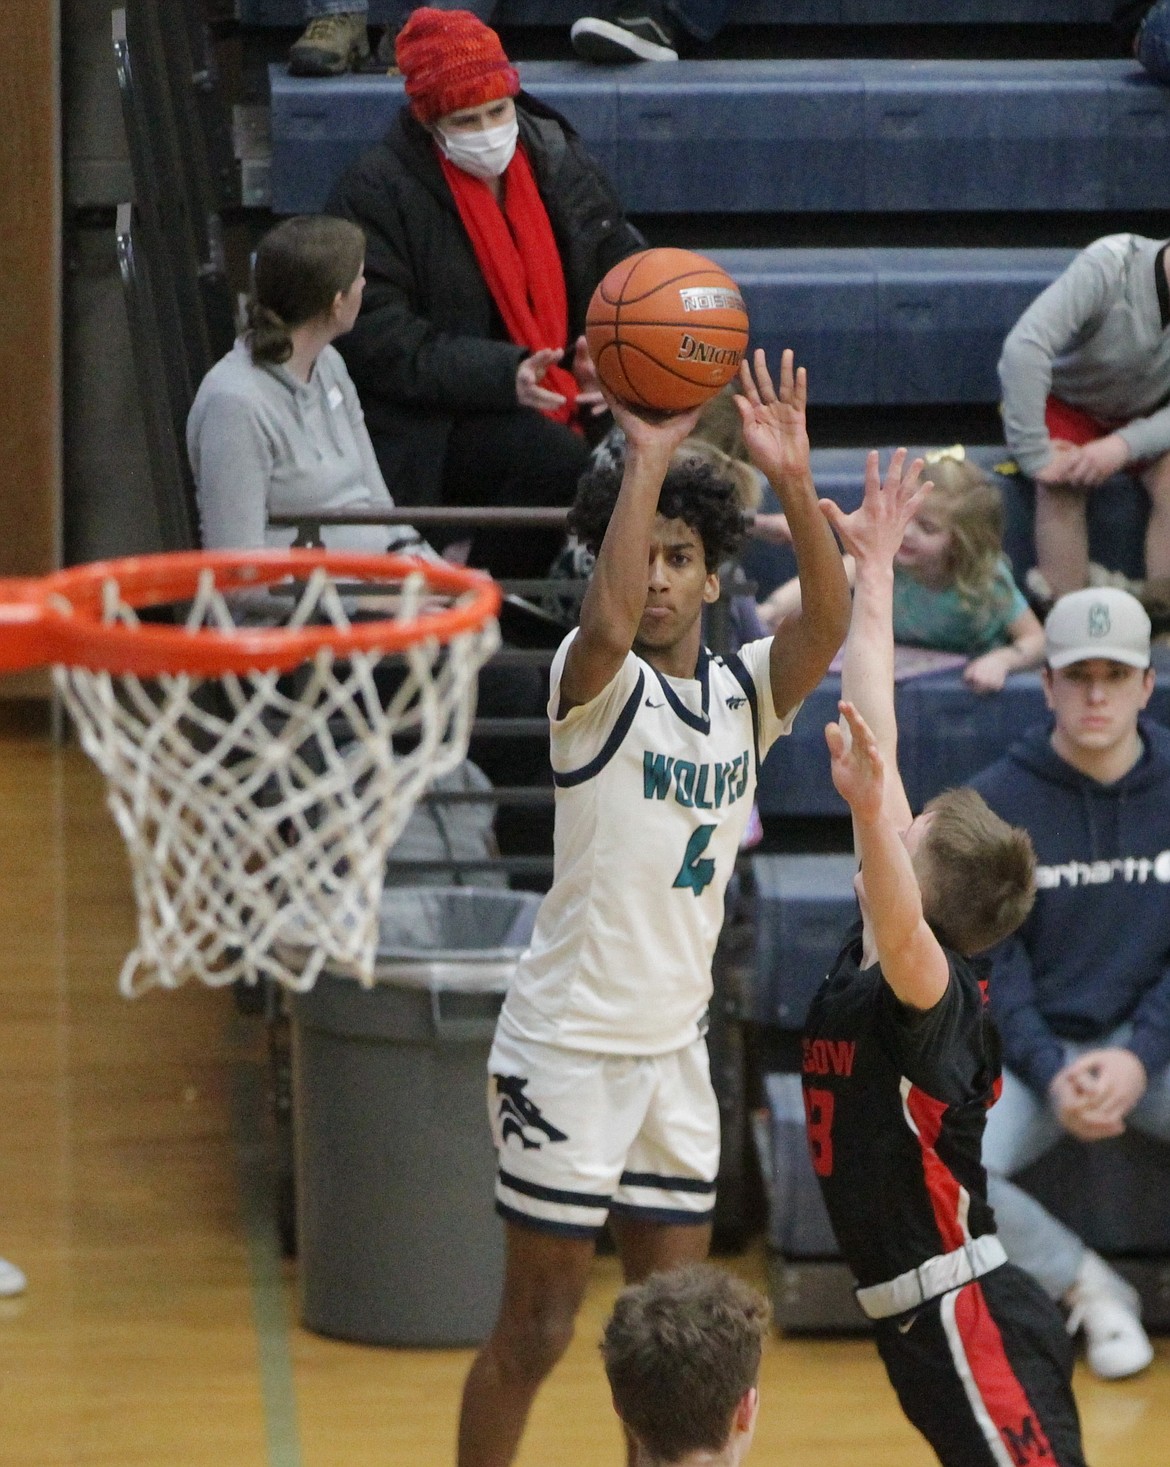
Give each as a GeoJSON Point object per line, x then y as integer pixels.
{"type": "Point", "coordinates": [429, 344]}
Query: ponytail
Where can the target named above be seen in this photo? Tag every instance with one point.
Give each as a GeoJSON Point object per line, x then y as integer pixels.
{"type": "Point", "coordinates": [269, 339]}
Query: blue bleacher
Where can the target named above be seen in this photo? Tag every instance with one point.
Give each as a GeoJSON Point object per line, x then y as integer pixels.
{"type": "Point", "coordinates": [946, 734]}
{"type": "Point", "coordinates": [556, 13]}
{"type": "Point", "coordinates": [800, 136]}
{"type": "Point", "coordinates": [804, 907]}
{"type": "Point", "coordinates": [890, 326]}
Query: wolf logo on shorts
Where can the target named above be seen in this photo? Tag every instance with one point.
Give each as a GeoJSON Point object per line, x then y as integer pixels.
{"type": "Point", "coordinates": [518, 1114]}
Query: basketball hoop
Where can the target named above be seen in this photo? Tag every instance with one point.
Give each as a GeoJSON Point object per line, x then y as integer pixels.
{"type": "Point", "coordinates": [259, 773]}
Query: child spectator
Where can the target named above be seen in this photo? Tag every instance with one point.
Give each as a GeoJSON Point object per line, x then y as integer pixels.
{"type": "Point", "coordinates": [953, 587]}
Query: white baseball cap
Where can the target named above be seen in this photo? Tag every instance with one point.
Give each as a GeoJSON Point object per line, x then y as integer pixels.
{"type": "Point", "coordinates": [1100, 622]}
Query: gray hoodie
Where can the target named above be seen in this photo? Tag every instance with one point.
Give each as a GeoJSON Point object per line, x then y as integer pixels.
{"type": "Point", "coordinates": [262, 442]}
{"type": "Point", "coordinates": [1098, 339]}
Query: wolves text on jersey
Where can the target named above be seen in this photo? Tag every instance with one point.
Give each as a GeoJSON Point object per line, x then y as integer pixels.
{"type": "Point", "coordinates": [697, 786]}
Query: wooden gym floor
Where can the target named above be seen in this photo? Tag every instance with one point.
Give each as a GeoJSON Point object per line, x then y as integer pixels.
{"type": "Point", "coordinates": [159, 1327]}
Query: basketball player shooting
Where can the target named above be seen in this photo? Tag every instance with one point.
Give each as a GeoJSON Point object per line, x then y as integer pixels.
{"type": "Point", "coordinates": [600, 1098]}
{"type": "Point", "coordinates": [901, 1061]}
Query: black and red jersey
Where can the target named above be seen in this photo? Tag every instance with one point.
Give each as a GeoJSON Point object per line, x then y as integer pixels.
{"type": "Point", "coordinates": [895, 1104]}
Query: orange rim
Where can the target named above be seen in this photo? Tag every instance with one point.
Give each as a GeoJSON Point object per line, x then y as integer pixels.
{"type": "Point", "coordinates": [57, 619]}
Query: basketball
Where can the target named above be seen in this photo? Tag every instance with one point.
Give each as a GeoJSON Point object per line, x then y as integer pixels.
{"type": "Point", "coordinates": [666, 330]}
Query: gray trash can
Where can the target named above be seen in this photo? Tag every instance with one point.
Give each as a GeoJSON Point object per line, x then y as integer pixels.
{"type": "Point", "coordinates": [397, 1239]}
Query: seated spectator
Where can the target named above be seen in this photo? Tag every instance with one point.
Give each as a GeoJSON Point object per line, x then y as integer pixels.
{"type": "Point", "coordinates": [682, 1354]}
{"type": "Point", "coordinates": [1144, 28]}
{"type": "Point", "coordinates": [1085, 374]}
{"type": "Point", "coordinates": [488, 227]}
{"type": "Point", "coordinates": [953, 587]}
{"type": "Point", "coordinates": [1081, 994]}
{"type": "Point", "coordinates": [276, 426]}
{"type": "Point", "coordinates": [647, 30]}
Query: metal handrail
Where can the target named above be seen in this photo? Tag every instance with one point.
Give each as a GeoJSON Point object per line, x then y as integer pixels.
{"type": "Point", "coordinates": [308, 526]}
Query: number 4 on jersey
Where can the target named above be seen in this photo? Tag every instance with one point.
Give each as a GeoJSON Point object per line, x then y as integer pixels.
{"type": "Point", "coordinates": [697, 871]}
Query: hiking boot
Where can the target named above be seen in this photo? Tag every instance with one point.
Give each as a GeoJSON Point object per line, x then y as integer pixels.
{"type": "Point", "coordinates": [330, 45]}
{"type": "Point", "coordinates": [640, 33]}
{"type": "Point", "coordinates": [1107, 1310]}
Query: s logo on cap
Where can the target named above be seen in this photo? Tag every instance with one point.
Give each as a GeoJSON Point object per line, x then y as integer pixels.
{"type": "Point", "coordinates": [1099, 623]}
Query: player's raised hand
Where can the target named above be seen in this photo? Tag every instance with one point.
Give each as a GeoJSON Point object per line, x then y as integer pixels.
{"type": "Point", "coordinates": [774, 428]}
{"type": "Point", "coordinates": [873, 532]}
{"type": "Point", "coordinates": [859, 771]}
{"type": "Point", "coordinates": [649, 431]}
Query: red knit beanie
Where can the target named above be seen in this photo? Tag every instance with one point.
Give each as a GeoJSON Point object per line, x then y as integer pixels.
{"type": "Point", "coordinates": [451, 60]}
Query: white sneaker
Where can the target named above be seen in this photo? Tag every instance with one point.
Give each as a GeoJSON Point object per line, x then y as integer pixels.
{"type": "Point", "coordinates": [1108, 1310]}
{"type": "Point", "coordinates": [12, 1281]}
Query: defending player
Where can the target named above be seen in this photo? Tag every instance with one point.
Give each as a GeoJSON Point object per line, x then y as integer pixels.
{"type": "Point", "coordinates": [901, 1060]}
{"type": "Point", "coordinates": [599, 1093]}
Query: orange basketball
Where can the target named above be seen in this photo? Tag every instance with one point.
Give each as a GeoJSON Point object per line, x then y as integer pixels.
{"type": "Point", "coordinates": [666, 329]}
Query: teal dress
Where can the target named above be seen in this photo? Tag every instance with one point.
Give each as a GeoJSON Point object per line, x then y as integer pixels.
{"type": "Point", "coordinates": [924, 617]}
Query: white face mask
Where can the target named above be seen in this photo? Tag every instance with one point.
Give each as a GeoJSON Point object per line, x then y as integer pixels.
{"type": "Point", "coordinates": [482, 154]}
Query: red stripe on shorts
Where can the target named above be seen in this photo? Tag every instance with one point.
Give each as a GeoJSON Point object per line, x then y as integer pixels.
{"type": "Point", "coordinates": [1004, 1398]}
{"type": "Point", "coordinates": [1074, 425]}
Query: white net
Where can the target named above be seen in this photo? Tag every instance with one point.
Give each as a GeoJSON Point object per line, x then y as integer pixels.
{"type": "Point", "coordinates": [258, 810]}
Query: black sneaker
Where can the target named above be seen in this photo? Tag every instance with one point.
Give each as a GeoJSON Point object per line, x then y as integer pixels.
{"type": "Point", "coordinates": [645, 33]}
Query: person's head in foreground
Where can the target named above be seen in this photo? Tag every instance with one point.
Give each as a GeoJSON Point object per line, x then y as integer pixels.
{"type": "Point", "coordinates": [460, 86]}
{"type": "Point", "coordinates": [699, 525]}
{"type": "Point", "coordinates": [682, 1354]}
{"type": "Point", "coordinates": [977, 873]}
{"type": "Point", "coordinates": [1097, 675]}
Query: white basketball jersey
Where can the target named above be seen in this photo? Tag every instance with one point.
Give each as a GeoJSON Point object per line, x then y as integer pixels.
{"type": "Point", "coordinates": [655, 779]}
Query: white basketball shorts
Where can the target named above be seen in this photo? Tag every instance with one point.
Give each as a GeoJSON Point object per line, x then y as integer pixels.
{"type": "Point", "coordinates": [578, 1135]}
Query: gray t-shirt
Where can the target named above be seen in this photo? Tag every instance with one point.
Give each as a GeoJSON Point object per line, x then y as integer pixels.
{"type": "Point", "coordinates": [262, 442]}
{"type": "Point", "coordinates": [1098, 338]}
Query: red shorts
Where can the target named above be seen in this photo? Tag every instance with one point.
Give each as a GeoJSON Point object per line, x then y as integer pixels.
{"type": "Point", "coordinates": [1075, 425]}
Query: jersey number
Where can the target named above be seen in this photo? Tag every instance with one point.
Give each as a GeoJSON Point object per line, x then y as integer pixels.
{"type": "Point", "coordinates": [697, 871]}
{"type": "Point", "coordinates": [818, 1112]}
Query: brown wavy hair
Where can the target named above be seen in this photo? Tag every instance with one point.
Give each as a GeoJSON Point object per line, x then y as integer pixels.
{"type": "Point", "coordinates": [297, 271]}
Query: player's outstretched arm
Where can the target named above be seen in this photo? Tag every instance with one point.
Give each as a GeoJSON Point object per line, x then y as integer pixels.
{"type": "Point", "coordinates": [871, 535]}
{"type": "Point", "coordinates": [913, 963]}
{"type": "Point", "coordinates": [613, 605]}
{"type": "Point", "coordinates": [776, 436]}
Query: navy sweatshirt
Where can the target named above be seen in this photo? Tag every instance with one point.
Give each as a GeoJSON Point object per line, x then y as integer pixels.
{"type": "Point", "coordinates": [1095, 951]}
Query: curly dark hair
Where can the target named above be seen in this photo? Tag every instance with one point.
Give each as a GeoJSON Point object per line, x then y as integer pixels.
{"type": "Point", "coordinates": [693, 491]}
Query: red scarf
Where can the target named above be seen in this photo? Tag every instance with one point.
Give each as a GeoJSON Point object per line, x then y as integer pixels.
{"type": "Point", "coordinates": [518, 257]}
